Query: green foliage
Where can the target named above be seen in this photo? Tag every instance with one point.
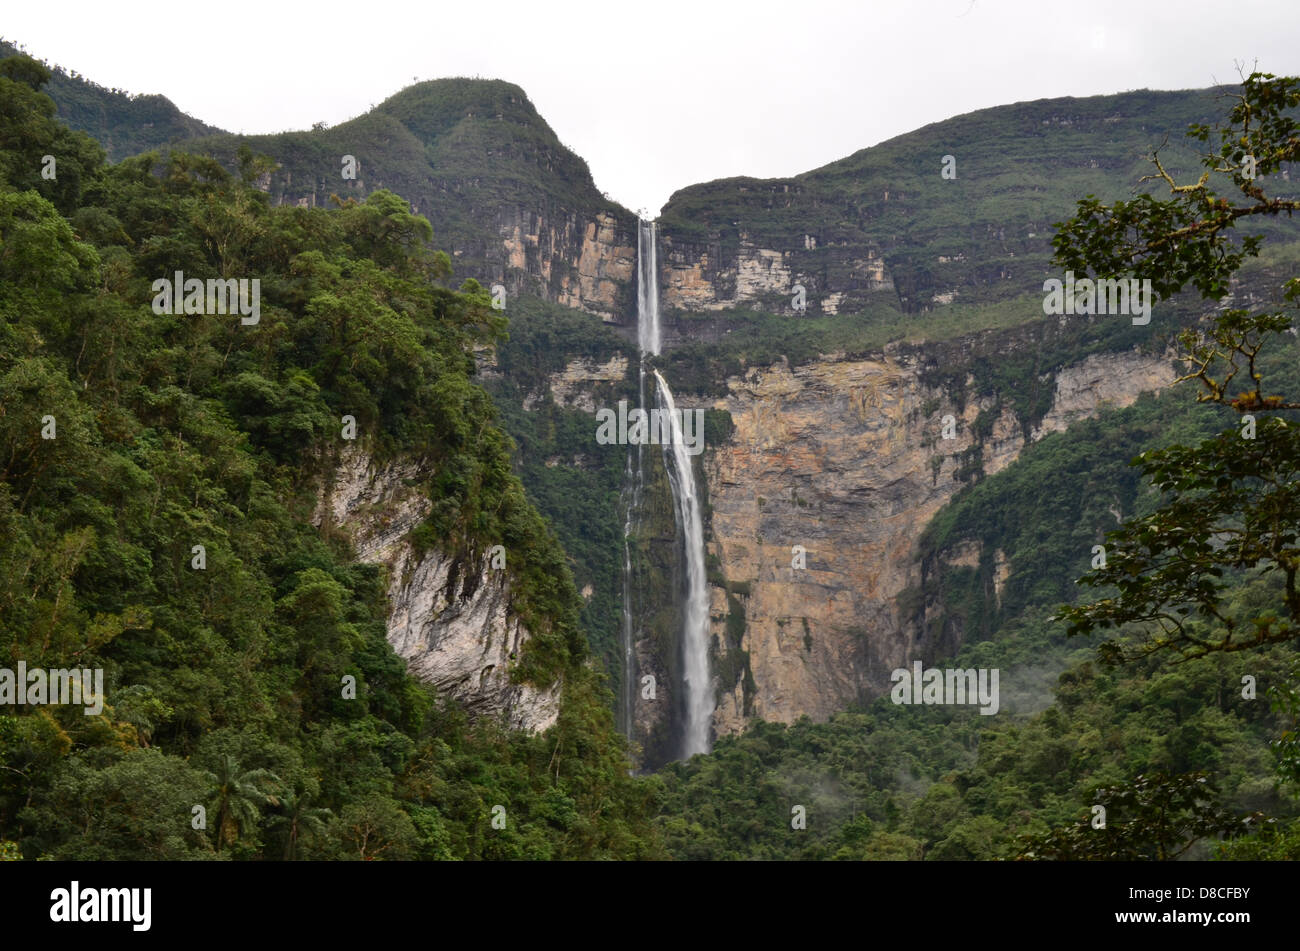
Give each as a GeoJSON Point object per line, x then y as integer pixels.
{"type": "Point", "coordinates": [572, 480]}
{"type": "Point", "coordinates": [222, 685]}
{"type": "Point", "coordinates": [1153, 817]}
{"type": "Point", "coordinates": [902, 782]}
{"type": "Point", "coordinates": [123, 124]}
{"type": "Point", "coordinates": [1044, 514]}
{"type": "Point", "coordinates": [1229, 511]}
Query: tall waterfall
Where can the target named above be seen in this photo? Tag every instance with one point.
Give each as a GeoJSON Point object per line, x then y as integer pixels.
{"type": "Point", "coordinates": [694, 640]}
{"type": "Point", "coordinates": [695, 622]}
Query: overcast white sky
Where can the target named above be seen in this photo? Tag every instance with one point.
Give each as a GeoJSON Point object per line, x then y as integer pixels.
{"type": "Point", "coordinates": [662, 94]}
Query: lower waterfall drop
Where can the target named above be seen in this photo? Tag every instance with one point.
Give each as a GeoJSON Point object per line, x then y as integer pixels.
{"type": "Point", "coordinates": [695, 620]}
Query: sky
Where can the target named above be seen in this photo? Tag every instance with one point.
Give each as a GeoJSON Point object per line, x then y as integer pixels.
{"type": "Point", "coordinates": [662, 94]}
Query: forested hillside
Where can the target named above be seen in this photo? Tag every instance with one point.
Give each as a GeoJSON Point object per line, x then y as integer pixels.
{"type": "Point", "coordinates": [127, 437]}
{"type": "Point", "coordinates": [121, 123]}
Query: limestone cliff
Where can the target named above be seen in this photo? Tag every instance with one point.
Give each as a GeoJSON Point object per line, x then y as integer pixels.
{"type": "Point", "coordinates": [448, 618]}
{"type": "Point", "coordinates": [587, 263]}
{"type": "Point", "coordinates": [1102, 379]}
{"type": "Point", "coordinates": [846, 458]}
{"type": "Point", "coordinates": [575, 386]}
{"type": "Point", "coordinates": [710, 275]}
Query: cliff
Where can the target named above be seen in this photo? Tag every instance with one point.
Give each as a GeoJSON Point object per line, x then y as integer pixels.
{"type": "Point", "coordinates": [507, 200]}
{"type": "Point", "coordinates": [449, 617]}
{"type": "Point", "coordinates": [960, 210]}
{"type": "Point", "coordinates": [845, 458]}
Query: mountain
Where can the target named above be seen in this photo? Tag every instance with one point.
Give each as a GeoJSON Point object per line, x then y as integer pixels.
{"type": "Point", "coordinates": [123, 124]}
{"type": "Point", "coordinates": [942, 454]}
{"type": "Point", "coordinates": [506, 198]}
{"type": "Point", "coordinates": [921, 261]}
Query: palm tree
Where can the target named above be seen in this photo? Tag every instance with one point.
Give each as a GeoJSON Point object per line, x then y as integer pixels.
{"type": "Point", "coordinates": [238, 798]}
{"type": "Point", "coordinates": [301, 820]}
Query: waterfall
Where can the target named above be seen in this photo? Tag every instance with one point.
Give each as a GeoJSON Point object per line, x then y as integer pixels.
{"type": "Point", "coordinates": [633, 483]}
{"type": "Point", "coordinates": [647, 294]}
{"type": "Point", "coordinates": [695, 622]}
{"type": "Point", "coordinates": [694, 640]}
{"type": "Point", "coordinates": [647, 328]}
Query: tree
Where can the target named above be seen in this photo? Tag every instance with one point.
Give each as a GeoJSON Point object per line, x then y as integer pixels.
{"type": "Point", "coordinates": [1154, 817]}
{"type": "Point", "coordinates": [374, 828]}
{"type": "Point", "coordinates": [28, 133]}
{"type": "Point", "coordinates": [237, 798]}
{"type": "Point", "coordinates": [1232, 509]}
{"type": "Point", "coordinates": [299, 819]}
{"type": "Point", "coordinates": [108, 805]}
{"type": "Point", "coordinates": [24, 69]}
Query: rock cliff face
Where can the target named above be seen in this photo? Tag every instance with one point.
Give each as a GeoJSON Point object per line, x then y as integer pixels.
{"type": "Point", "coordinates": [575, 386]}
{"type": "Point", "coordinates": [1102, 379]}
{"type": "Point", "coordinates": [448, 618]}
{"type": "Point", "coordinates": [707, 276]}
{"type": "Point", "coordinates": [846, 458]}
{"type": "Point", "coordinates": [575, 256]}
{"type": "Point", "coordinates": [585, 263]}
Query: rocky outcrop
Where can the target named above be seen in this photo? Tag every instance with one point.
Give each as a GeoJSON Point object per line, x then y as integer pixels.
{"type": "Point", "coordinates": [700, 276]}
{"type": "Point", "coordinates": [834, 457]}
{"type": "Point", "coordinates": [574, 387]}
{"type": "Point", "coordinates": [846, 459]}
{"type": "Point", "coordinates": [449, 618]}
{"type": "Point", "coordinates": [1104, 379]}
{"type": "Point", "coordinates": [580, 262]}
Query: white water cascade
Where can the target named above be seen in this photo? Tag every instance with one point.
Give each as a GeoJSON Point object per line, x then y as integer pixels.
{"type": "Point", "coordinates": [695, 622]}
{"type": "Point", "coordinates": [647, 292]}
{"type": "Point", "coordinates": [696, 684]}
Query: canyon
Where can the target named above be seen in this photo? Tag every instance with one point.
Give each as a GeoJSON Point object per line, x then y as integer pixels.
{"type": "Point", "coordinates": [836, 459]}
{"type": "Point", "coordinates": [844, 458]}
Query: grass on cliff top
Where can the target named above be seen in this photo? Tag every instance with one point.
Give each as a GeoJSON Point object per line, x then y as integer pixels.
{"type": "Point", "coordinates": [1019, 169]}
{"type": "Point", "coordinates": [758, 338]}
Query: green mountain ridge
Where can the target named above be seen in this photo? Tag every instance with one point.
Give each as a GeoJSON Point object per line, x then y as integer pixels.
{"type": "Point", "coordinates": [123, 124]}
{"type": "Point", "coordinates": [880, 782]}
{"type": "Point", "coordinates": [477, 159]}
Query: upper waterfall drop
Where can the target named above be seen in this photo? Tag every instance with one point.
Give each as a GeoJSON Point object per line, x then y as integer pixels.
{"type": "Point", "coordinates": [647, 289]}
